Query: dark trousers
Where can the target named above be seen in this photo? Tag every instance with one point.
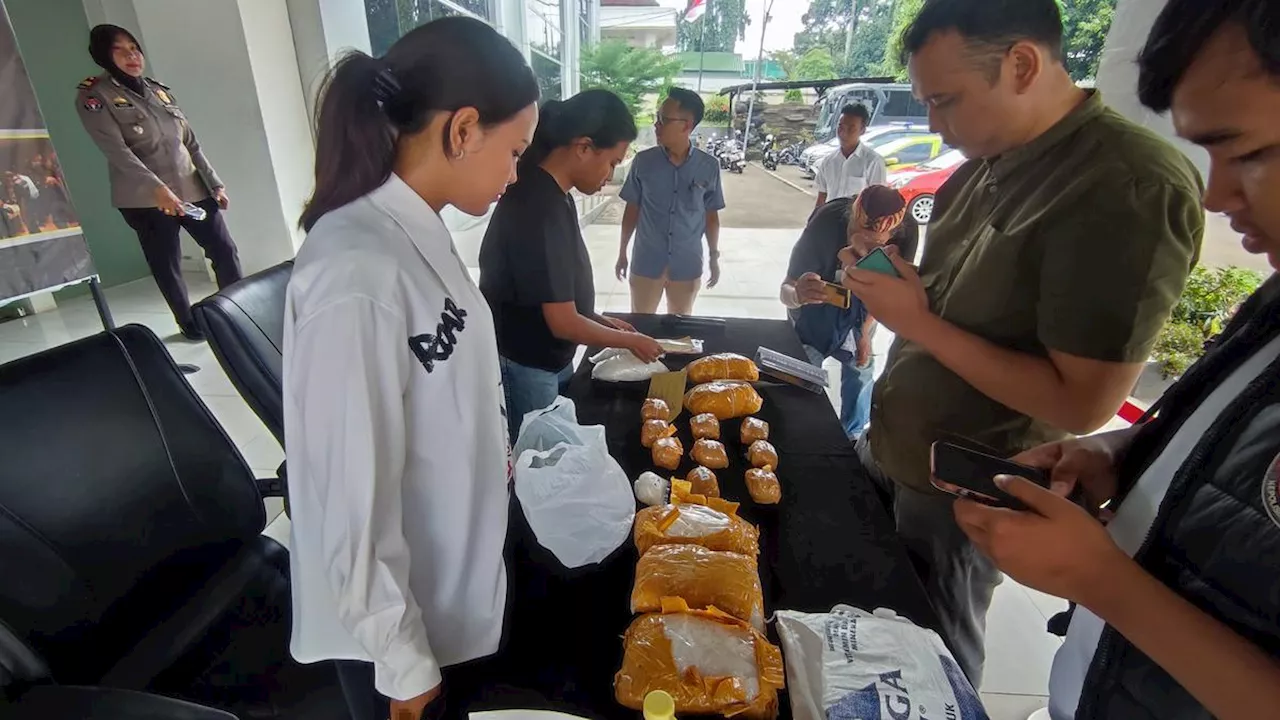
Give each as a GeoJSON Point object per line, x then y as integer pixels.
{"type": "Point", "coordinates": [958, 578]}
{"type": "Point", "coordinates": [158, 235]}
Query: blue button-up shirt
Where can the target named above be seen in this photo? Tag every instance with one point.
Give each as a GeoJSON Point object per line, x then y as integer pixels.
{"type": "Point", "coordinates": [674, 201]}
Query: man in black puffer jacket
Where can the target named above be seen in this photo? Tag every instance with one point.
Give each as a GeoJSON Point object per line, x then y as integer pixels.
{"type": "Point", "coordinates": [1178, 596]}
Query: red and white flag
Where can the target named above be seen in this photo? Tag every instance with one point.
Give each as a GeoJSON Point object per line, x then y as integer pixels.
{"type": "Point", "coordinates": [695, 11]}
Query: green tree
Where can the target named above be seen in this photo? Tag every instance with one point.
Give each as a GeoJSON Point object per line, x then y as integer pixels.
{"type": "Point", "coordinates": [1085, 27]}
{"type": "Point", "coordinates": [826, 25]}
{"type": "Point", "coordinates": [630, 72]}
{"type": "Point", "coordinates": [904, 11]}
{"type": "Point", "coordinates": [871, 40]}
{"type": "Point", "coordinates": [726, 23]}
{"type": "Point", "coordinates": [787, 60]}
{"type": "Point", "coordinates": [816, 64]}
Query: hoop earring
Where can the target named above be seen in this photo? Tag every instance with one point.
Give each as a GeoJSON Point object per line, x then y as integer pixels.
{"type": "Point", "coordinates": [459, 154]}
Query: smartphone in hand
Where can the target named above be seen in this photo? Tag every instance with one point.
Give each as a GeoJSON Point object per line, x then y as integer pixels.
{"type": "Point", "coordinates": [837, 295]}
{"type": "Point", "coordinates": [971, 475]}
{"type": "Point", "coordinates": [878, 261]}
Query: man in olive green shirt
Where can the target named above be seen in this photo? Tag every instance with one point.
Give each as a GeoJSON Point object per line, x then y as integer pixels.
{"type": "Point", "coordinates": [1055, 256]}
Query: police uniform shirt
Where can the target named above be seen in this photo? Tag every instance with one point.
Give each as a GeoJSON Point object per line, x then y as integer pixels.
{"type": "Point", "coordinates": [147, 141]}
{"type": "Point", "coordinates": [395, 430]}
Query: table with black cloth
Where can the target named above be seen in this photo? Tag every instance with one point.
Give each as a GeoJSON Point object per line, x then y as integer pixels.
{"type": "Point", "coordinates": [828, 541]}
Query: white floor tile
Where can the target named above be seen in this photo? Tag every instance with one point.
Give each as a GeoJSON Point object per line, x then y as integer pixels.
{"type": "Point", "coordinates": [1012, 707]}
{"type": "Point", "coordinates": [1019, 649]}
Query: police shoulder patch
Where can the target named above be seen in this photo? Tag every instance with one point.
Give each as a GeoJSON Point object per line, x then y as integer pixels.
{"type": "Point", "coordinates": [87, 83]}
{"type": "Point", "coordinates": [1271, 491]}
{"type": "Point", "coordinates": [92, 104]}
{"type": "Point", "coordinates": [157, 83]}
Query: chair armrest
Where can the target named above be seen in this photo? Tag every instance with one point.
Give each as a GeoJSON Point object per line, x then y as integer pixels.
{"type": "Point", "coordinates": [44, 702]}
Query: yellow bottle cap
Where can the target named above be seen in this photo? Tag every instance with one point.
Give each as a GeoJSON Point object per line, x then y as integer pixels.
{"type": "Point", "coordinates": [659, 705]}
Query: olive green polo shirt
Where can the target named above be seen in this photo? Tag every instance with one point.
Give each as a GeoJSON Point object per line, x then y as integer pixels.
{"type": "Point", "coordinates": [1080, 241]}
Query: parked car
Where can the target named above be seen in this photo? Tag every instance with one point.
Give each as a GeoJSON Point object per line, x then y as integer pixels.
{"type": "Point", "coordinates": [887, 104]}
{"type": "Point", "coordinates": [920, 184]}
{"type": "Point", "coordinates": [910, 151]}
{"type": "Point", "coordinates": [874, 138]}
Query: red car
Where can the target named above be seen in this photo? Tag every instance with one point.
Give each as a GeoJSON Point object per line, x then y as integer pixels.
{"type": "Point", "coordinates": [919, 183]}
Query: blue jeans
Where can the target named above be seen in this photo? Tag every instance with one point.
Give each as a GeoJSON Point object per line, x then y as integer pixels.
{"type": "Point", "coordinates": [529, 389]}
{"type": "Point", "coordinates": [855, 392]}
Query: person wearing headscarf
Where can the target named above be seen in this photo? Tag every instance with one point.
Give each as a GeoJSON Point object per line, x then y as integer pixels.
{"type": "Point", "coordinates": [158, 172]}
{"type": "Point", "coordinates": [842, 232]}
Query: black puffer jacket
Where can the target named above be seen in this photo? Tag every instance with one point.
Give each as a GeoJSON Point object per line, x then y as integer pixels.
{"type": "Point", "coordinates": [1216, 538]}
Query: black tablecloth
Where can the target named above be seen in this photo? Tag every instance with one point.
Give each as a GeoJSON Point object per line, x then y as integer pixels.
{"type": "Point", "coordinates": [829, 541]}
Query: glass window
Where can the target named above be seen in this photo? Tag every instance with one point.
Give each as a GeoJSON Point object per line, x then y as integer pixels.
{"type": "Point", "coordinates": [902, 104]}
{"type": "Point", "coordinates": [389, 20]}
{"type": "Point", "coordinates": [548, 73]}
{"type": "Point", "coordinates": [915, 152]}
{"type": "Point", "coordinates": [542, 24]}
{"type": "Point", "coordinates": [584, 24]}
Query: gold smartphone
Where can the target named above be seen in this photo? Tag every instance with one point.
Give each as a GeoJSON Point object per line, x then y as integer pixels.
{"type": "Point", "coordinates": [837, 295]}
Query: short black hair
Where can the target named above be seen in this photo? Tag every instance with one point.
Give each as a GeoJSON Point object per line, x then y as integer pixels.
{"type": "Point", "coordinates": [690, 102]}
{"type": "Point", "coordinates": [991, 27]}
{"type": "Point", "coordinates": [857, 110]}
{"type": "Point", "coordinates": [1182, 29]}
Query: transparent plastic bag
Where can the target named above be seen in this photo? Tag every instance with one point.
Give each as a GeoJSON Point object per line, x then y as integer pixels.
{"type": "Point", "coordinates": [703, 578]}
{"type": "Point", "coordinates": [850, 663]}
{"type": "Point", "coordinates": [614, 365]}
{"type": "Point", "coordinates": [577, 499]}
{"type": "Point", "coordinates": [707, 661]}
{"type": "Point", "coordinates": [726, 399]}
{"type": "Point", "coordinates": [697, 525]}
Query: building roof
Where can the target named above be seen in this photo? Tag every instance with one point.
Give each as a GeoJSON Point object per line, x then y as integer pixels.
{"type": "Point", "coordinates": [713, 61]}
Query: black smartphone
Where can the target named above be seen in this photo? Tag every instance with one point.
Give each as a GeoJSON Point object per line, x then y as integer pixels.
{"type": "Point", "coordinates": [971, 474]}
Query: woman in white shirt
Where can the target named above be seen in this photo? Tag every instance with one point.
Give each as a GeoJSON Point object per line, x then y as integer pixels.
{"type": "Point", "coordinates": [394, 420]}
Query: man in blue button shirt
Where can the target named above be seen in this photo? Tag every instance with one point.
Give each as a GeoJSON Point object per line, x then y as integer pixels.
{"type": "Point", "coordinates": [674, 198]}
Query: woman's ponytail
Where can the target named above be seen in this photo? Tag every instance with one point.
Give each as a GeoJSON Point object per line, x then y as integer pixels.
{"type": "Point", "coordinates": [355, 140]}
{"type": "Point", "coordinates": [597, 115]}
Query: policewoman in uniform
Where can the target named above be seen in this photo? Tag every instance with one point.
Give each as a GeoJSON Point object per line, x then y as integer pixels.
{"type": "Point", "coordinates": [155, 165]}
{"type": "Point", "coordinates": [394, 418]}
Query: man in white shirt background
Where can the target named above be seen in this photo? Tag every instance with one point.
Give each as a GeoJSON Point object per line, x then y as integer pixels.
{"type": "Point", "coordinates": [848, 172]}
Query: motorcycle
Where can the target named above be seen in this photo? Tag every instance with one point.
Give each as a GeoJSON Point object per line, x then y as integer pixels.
{"type": "Point", "coordinates": [790, 155]}
{"type": "Point", "coordinates": [731, 157]}
{"type": "Point", "coordinates": [769, 153]}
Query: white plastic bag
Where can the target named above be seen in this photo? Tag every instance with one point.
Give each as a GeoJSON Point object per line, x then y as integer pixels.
{"type": "Point", "coordinates": [614, 365]}
{"type": "Point", "coordinates": [850, 664]}
{"type": "Point", "coordinates": [575, 496]}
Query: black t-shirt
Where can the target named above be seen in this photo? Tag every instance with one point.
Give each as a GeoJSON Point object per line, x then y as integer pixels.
{"type": "Point", "coordinates": [533, 253]}
{"type": "Point", "coordinates": [828, 233]}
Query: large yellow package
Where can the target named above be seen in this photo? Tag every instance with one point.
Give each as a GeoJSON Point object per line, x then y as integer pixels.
{"type": "Point", "coordinates": [697, 525]}
{"type": "Point", "coordinates": [708, 662]}
{"type": "Point", "coordinates": [725, 366]}
{"type": "Point", "coordinates": [704, 578]}
{"type": "Point", "coordinates": [726, 399]}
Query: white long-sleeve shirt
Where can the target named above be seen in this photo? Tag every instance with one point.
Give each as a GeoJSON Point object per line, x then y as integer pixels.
{"type": "Point", "coordinates": [396, 439]}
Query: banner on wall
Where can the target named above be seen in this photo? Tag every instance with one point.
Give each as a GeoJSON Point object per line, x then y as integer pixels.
{"type": "Point", "coordinates": [41, 244]}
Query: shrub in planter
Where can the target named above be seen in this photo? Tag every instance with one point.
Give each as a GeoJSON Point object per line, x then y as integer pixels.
{"type": "Point", "coordinates": [1208, 302]}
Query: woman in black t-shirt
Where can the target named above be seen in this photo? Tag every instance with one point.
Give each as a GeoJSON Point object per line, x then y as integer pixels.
{"type": "Point", "coordinates": [534, 267]}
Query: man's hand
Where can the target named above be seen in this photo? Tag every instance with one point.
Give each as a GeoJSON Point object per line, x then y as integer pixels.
{"type": "Point", "coordinates": [809, 289]}
{"type": "Point", "coordinates": [899, 304]}
{"type": "Point", "coordinates": [220, 196]}
{"type": "Point", "coordinates": [412, 708]}
{"type": "Point", "coordinates": [1058, 548]}
{"type": "Point", "coordinates": [864, 354]}
{"type": "Point", "coordinates": [621, 268]}
{"type": "Point", "coordinates": [645, 348]}
{"type": "Point", "coordinates": [617, 324]}
{"type": "Point", "coordinates": [1087, 462]}
{"type": "Point", "coordinates": [714, 265]}
{"type": "Point", "coordinates": [168, 203]}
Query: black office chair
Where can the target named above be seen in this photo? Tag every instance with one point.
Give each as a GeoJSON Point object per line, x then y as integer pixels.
{"type": "Point", "coordinates": [130, 539]}
{"type": "Point", "coordinates": [244, 324]}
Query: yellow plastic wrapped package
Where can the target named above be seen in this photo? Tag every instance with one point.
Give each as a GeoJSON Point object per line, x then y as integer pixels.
{"type": "Point", "coordinates": [667, 452]}
{"type": "Point", "coordinates": [708, 662]}
{"type": "Point", "coordinates": [754, 429]}
{"type": "Point", "coordinates": [724, 366]}
{"type": "Point", "coordinates": [763, 485]}
{"type": "Point", "coordinates": [726, 399]}
{"type": "Point", "coordinates": [762, 453]}
{"type": "Point", "coordinates": [705, 427]}
{"type": "Point", "coordinates": [710, 454]}
{"type": "Point", "coordinates": [703, 578]}
{"type": "Point", "coordinates": [703, 482]}
{"type": "Point", "coordinates": [698, 525]}
{"type": "Point", "coordinates": [654, 430]}
{"type": "Point", "coordinates": [655, 409]}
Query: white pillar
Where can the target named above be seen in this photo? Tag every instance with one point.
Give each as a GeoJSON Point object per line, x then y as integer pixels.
{"type": "Point", "coordinates": [323, 30]}
{"type": "Point", "coordinates": [1118, 73]}
{"type": "Point", "coordinates": [234, 71]}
